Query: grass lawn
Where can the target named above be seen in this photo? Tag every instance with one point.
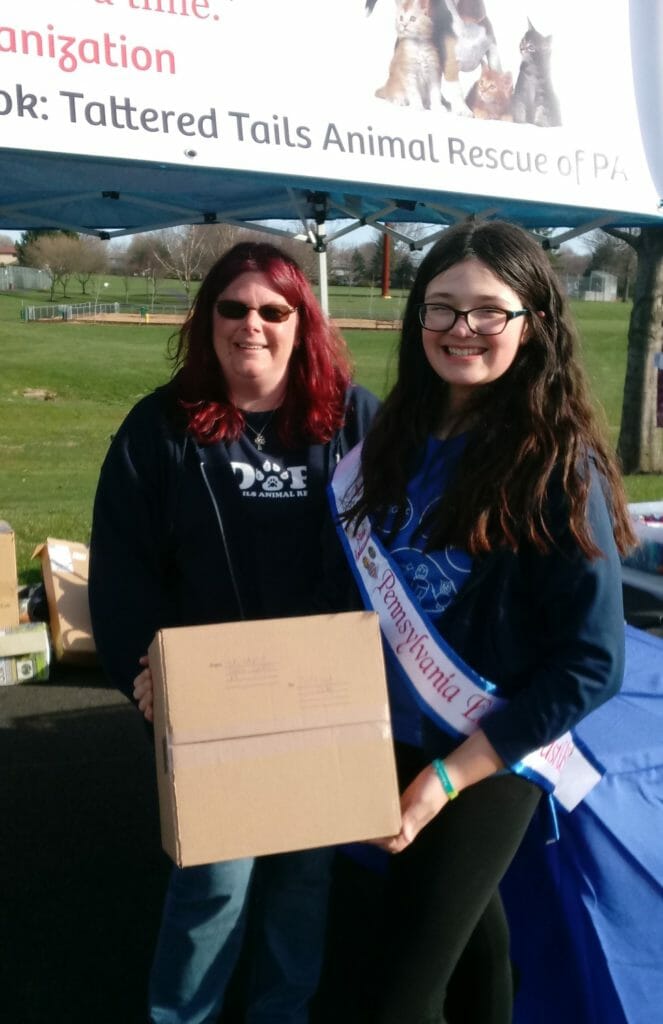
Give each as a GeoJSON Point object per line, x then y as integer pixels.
{"type": "Point", "coordinates": [52, 448]}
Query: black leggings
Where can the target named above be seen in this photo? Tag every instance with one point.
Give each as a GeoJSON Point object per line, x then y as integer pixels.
{"type": "Point", "coordinates": [447, 940]}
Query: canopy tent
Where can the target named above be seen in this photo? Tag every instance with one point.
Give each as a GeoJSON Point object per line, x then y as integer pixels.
{"type": "Point", "coordinates": [120, 117]}
{"type": "Point", "coordinates": [111, 197]}
{"type": "Point", "coordinates": [145, 196]}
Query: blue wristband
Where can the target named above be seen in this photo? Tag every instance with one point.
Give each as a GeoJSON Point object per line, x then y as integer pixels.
{"type": "Point", "coordinates": [447, 784]}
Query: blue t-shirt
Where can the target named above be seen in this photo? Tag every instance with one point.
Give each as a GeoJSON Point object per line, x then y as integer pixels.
{"type": "Point", "coordinates": [434, 577]}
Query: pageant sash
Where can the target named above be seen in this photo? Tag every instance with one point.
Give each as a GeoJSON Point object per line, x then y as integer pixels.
{"type": "Point", "coordinates": [448, 690]}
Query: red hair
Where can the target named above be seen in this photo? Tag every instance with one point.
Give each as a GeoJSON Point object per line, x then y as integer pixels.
{"type": "Point", "coordinates": [318, 372]}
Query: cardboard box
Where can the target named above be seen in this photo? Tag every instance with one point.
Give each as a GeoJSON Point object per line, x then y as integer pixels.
{"type": "Point", "coordinates": [25, 654]}
{"type": "Point", "coordinates": [64, 569]}
{"type": "Point", "coordinates": [272, 736]}
{"type": "Point", "coordinates": [8, 579]}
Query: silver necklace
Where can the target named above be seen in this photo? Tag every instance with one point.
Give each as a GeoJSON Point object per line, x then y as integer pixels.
{"type": "Point", "coordinates": [259, 438]}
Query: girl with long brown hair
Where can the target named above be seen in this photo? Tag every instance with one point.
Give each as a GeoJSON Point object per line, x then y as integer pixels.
{"type": "Point", "coordinates": [484, 523]}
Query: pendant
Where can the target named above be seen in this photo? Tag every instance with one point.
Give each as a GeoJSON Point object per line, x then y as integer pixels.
{"type": "Point", "coordinates": [259, 442]}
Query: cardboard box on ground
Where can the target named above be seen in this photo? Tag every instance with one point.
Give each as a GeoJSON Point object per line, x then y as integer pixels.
{"type": "Point", "coordinates": [25, 651]}
{"type": "Point", "coordinates": [25, 646]}
{"type": "Point", "coordinates": [25, 654]}
{"type": "Point", "coordinates": [272, 735]}
{"type": "Point", "coordinates": [64, 567]}
{"type": "Point", "coordinates": [8, 582]}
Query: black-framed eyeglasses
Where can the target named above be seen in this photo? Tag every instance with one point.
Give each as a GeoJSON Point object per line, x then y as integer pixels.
{"type": "Point", "coordinates": [436, 316]}
{"type": "Point", "coordinates": [230, 309]}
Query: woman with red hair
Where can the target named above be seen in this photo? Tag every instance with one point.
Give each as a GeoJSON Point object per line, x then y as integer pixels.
{"type": "Point", "coordinates": [210, 508]}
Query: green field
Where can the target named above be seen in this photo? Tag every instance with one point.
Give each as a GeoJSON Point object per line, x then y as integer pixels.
{"type": "Point", "coordinates": [52, 445]}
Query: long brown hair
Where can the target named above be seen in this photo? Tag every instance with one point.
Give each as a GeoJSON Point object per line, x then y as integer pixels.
{"type": "Point", "coordinates": [318, 371]}
{"type": "Point", "coordinates": [534, 421]}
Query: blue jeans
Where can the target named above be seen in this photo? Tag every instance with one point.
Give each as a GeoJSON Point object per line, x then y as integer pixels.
{"type": "Point", "coordinates": [203, 926]}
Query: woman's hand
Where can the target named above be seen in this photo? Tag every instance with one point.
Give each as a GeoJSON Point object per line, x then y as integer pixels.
{"type": "Point", "coordinates": [421, 801]}
{"type": "Point", "coordinates": [143, 694]}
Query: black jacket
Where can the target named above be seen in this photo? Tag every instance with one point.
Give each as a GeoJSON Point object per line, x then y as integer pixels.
{"type": "Point", "coordinates": [171, 544]}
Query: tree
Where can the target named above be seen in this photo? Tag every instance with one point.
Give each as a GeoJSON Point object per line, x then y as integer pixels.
{"type": "Point", "coordinates": [401, 263]}
{"type": "Point", "coordinates": [570, 262]}
{"type": "Point", "coordinates": [614, 255]}
{"type": "Point", "coordinates": [119, 263]}
{"type": "Point", "coordinates": [403, 267]}
{"type": "Point", "coordinates": [218, 238]}
{"type": "Point", "coordinates": [357, 267]}
{"type": "Point", "coordinates": [64, 254]}
{"type": "Point", "coordinates": [92, 259]}
{"type": "Point", "coordinates": [56, 252]}
{"type": "Point", "coordinates": [352, 263]}
{"type": "Point", "coordinates": [181, 253]}
{"type": "Point", "coordinates": [143, 260]}
{"type": "Point", "coordinates": [640, 444]}
{"type": "Point", "coordinates": [188, 252]}
{"type": "Point", "coordinates": [23, 246]}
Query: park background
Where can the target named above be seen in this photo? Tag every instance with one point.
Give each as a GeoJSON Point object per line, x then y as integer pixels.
{"type": "Point", "coordinates": [67, 385]}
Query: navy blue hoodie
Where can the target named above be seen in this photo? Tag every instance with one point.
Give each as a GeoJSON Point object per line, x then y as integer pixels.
{"type": "Point", "coordinates": [174, 544]}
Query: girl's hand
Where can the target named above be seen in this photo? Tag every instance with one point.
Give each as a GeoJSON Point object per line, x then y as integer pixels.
{"type": "Point", "coordinates": [143, 690]}
{"type": "Point", "coordinates": [421, 801]}
{"type": "Point", "coordinates": [475, 759]}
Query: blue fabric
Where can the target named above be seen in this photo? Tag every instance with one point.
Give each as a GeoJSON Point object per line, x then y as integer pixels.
{"type": "Point", "coordinates": [38, 188]}
{"type": "Point", "coordinates": [586, 913]}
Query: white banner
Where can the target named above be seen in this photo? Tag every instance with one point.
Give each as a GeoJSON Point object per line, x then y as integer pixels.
{"type": "Point", "coordinates": [295, 87]}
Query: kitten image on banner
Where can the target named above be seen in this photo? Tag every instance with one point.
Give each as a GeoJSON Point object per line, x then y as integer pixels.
{"type": "Point", "coordinates": [414, 71]}
{"type": "Point", "coordinates": [462, 35]}
{"type": "Point", "coordinates": [534, 99]}
{"type": "Point", "coordinates": [491, 95]}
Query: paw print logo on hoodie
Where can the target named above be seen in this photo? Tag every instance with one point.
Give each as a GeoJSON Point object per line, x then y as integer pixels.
{"type": "Point", "coordinates": [272, 476]}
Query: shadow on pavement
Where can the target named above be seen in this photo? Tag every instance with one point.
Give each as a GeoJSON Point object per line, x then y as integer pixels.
{"type": "Point", "coordinates": [83, 874]}
{"type": "Point", "coordinates": [80, 860]}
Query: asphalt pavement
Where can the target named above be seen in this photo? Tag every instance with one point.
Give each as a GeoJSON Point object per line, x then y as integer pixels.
{"type": "Point", "coordinates": [80, 859]}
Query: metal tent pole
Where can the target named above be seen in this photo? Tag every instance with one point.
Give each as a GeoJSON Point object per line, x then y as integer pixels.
{"type": "Point", "coordinates": [318, 201]}
{"type": "Point", "coordinates": [322, 273]}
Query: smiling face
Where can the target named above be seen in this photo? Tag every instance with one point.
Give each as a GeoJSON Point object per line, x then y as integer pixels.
{"type": "Point", "coordinates": [254, 355]}
{"type": "Point", "coordinates": [463, 359]}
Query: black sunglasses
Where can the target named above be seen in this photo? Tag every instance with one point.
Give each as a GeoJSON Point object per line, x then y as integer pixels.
{"type": "Point", "coordinates": [230, 309]}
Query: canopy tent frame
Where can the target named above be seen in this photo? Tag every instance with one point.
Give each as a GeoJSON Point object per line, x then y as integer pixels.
{"type": "Point", "coordinates": [42, 191]}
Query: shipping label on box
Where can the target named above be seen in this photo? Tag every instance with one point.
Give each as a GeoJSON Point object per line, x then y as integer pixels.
{"type": "Point", "coordinates": [8, 580]}
{"type": "Point", "coordinates": [25, 654]}
{"type": "Point", "coordinates": [272, 736]}
{"type": "Point", "coordinates": [64, 567]}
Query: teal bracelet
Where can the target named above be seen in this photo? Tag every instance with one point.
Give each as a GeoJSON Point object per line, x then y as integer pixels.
{"type": "Point", "coordinates": [447, 784]}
